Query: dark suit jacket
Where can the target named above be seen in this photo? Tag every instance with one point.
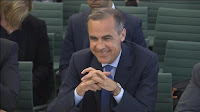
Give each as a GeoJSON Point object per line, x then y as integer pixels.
{"type": "Point", "coordinates": [136, 72]}
{"type": "Point", "coordinates": [190, 99]}
{"type": "Point", "coordinates": [77, 35]}
{"type": "Point", "coordinates": [9, 72]}
{"type": "Point", "coordinates": [33, 46]}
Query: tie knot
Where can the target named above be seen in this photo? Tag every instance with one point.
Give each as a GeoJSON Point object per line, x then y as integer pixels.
{"type": "Point", "coordinates": [108, 68]}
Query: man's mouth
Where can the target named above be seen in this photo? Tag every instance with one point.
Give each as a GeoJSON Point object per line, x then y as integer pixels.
{"type": "Point", "coordinates": [94, 5]}
{"type": "Point", "coordinates": [103, 54]}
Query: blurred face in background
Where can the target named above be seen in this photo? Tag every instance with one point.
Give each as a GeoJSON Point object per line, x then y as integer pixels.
{"type": "Point", "coordinates": [13, 12]}
{"type": "Point", "coordinates": [100, 3]}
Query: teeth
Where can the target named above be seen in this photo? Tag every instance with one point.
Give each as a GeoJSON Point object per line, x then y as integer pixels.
{"type": "Point", "coordinates": [103, 53]}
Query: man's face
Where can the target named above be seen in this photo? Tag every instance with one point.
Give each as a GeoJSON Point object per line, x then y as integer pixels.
{"type": "Point", "coordinates": [99, 3]}
{"type": "Point", "coordinates": [105, 42]}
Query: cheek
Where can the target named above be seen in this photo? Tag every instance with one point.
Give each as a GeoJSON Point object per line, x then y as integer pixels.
{"type": "Point", "coordinates": [91, 47]}
{"type": "Point", "coordinates": [116, 47]}
{"type": "Point", "coordinates": [92, 44]}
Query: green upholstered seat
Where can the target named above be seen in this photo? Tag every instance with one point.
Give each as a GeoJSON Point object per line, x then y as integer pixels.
{"type": "Point", "coordinates": [25, 100]}
{"type": "Point", "coordinates": [119, 3]}
{"type": "Point", "coordinates": [175, 24]}
{"type": "Point", "coordinates": [51, 44]}
{"type": "Point", "coordinates": [164, 99]}
{"type": "Point", "coordinates": [58, 43]}
{"type": "Point", "coordinates": [84, 7]}
{"type": "Point", "coordinates": [55, 49]}
{"type": "Point", "coordinates": [52, 79]}
{"type": "Point", "coordinates": [52, 14]}
{"type": "Point", "coordinates": [139, 12]}
{"type": "Point", "coordinates": [154, 6]}
{"type": "Point", "coordinates": [180, 57]}
{"type": "Point", "coordinates": [70, 8]}
{"type": "Point", "coordinates": [174, 1]}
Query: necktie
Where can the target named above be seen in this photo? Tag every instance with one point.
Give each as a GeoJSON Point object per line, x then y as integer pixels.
{"type": "Point", "coordinates": [105, 95]}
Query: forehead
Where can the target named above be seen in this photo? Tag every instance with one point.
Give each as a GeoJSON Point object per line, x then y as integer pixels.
{"type": "Point", "coordinates": [100, 28]}
{"type": "Point", "coordinates": [104, 23]}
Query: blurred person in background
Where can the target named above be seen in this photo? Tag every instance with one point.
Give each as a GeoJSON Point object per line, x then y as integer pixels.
{"type": "Point", "coordinates": [190, 99]}
{"type": "Point", "coordinates": [31, 35]}
{"type": "Point", "coordinates": [131, 2]}
{"type": "Point", "coordinates": [9, 73]}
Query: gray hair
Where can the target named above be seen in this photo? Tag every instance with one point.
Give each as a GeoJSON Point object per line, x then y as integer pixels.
{"type": "Point", "coordinates": [102, 13]}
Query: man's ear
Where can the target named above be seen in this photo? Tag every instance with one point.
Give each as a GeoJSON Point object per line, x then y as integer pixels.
{"type": "Point", "coordinates": [123, 35]}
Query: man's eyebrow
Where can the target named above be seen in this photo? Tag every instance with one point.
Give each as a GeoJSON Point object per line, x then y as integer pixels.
{"type": "Point", "coordinates": [91, 36]}
{"type": "Point", "coordinates": [105, 36]}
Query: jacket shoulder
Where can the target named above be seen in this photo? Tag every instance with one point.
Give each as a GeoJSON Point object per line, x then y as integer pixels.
{"type": "Point", "coordinates": [76, 17]}
{"type": "Point", "coordinates": [196, 74]}
{"type": "Point", "coordinates": [33, 22]}
{"type": "Point", "coordinates": [139, 54]}
{"type": "Point", "coordinates": [5, 43]}
{"type": "Point", "coordinates": [130, 18]}
{"type": "Point", "coordinates": [82, 59]}
{"type": "Point", "coordinates": [6, 46]}
{"type": "Point", "coordinates": [137, 49]}
{"type": "Point", "coordinates": [84, 54]}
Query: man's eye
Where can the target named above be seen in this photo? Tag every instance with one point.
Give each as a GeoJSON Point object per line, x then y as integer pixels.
{"type": "Point", "coordinates": [107, 38]}
{"type": "Point", "coordinates": [93, 38]}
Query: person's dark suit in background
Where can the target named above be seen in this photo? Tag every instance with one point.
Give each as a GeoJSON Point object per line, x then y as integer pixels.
{"type": "Point", "coordinates": [135, 69]}
{"type": "Point", "coordinates": [9, 72]}
{"type": "Point", "coordinates": [190, 99]}
{"type": "Point", "coordinates": [77, 36]}
{"type": "Point", "coordinates": [32, 39]}
{"type": "Point", "coordinates": [131, 2]}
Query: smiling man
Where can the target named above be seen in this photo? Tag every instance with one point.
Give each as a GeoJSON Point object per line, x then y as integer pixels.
{"type": "Point", "coordinates": [112, 75]}
{"type": "Point", "coordinates": [77, 36]}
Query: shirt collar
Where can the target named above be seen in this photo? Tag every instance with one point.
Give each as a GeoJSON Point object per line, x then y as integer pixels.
{"type": "Point", "coordinates": [115, 63]}
{"type": "Point", "coordinates": [113, 5]}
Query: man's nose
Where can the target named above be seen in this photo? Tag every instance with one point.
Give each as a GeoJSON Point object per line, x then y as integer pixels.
{"type": "Point", "coordinates": [100, 45]}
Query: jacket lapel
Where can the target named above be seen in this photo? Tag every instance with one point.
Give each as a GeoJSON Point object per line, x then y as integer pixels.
{"type": "Point", "coordinates": [124, 68]}
{"type": "Point", "coordinates": [122, 74]}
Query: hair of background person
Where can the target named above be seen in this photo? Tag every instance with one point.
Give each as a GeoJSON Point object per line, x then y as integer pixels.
{"type": "Point", "coordinates": [15, 11]}
{"type": "Point", "coordinates": [102, 13]}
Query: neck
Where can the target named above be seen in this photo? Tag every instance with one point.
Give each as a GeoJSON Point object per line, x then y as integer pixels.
{"type": "Point", "coordinates": [6, 26]}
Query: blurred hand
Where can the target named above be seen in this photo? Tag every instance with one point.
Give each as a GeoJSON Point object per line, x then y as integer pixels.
{"type": "Point", "coordinates": [2, 110]}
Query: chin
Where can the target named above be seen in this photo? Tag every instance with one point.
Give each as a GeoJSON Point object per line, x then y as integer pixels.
{"type": "Point", "coordinates": [103, 61]}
